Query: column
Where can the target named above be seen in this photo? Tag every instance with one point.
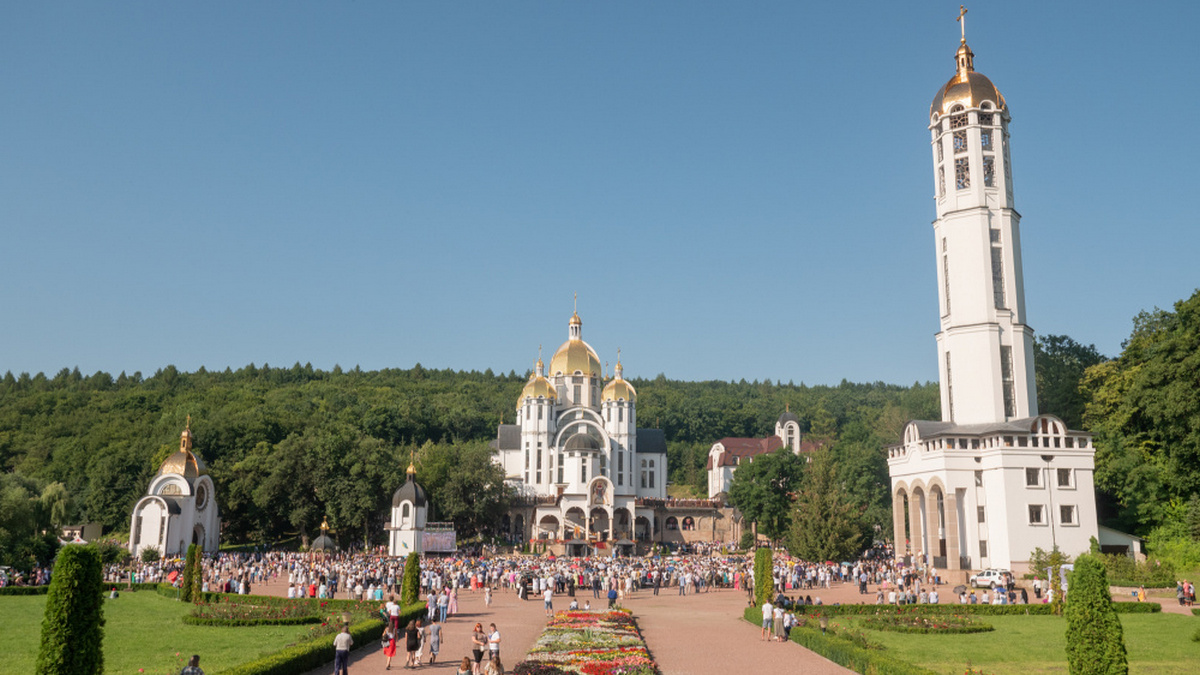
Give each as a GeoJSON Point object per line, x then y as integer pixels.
{"type": "Point", "coordinates": [931, 526]}
{"type": "Point", "coordinates": [898, 530]}
{"type": "Point", "coordinates": [915, 526]}
{"type": "Point", "coordinates": [952, 553]}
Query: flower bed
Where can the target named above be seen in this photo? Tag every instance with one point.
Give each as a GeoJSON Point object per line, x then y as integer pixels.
{"type": "Point", "coordinates": [590, 643]}
{"type": "Point", "coordinates": [907, 621]}
{"type": "Point", "coordinates": [248, 614]}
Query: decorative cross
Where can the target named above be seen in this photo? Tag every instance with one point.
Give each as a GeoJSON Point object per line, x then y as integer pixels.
{"type": "Point", "coordinates": [962, 20]}
{"type": "Point", "coordinates": [577, 303]}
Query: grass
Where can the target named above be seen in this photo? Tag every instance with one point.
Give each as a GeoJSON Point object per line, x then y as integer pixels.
{"type": "Point", "coordinates": [143, 631]}
{"type": "Point", "coordinates": [1159, 644]}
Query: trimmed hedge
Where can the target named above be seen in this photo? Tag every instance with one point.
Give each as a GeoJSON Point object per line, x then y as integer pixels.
{"type": "Point", "coordinates": [844, 652]}
{"type": "Point", "coordinates": [1041, 609]}
{"type": "Point", "coordinates": [73, 623]}
{"type": "Point", "coordinates": [305, 656]}
{"type": "Point", "coordinates": [966, 625]}
{"type": "Point", "coordinates": [24, 590]}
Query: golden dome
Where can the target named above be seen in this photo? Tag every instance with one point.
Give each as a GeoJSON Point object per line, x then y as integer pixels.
{"type": "Point", "coordinates": [184, 462]}
{"type": "Point", "coordinates": [537, 386]}
{"type": "Point", "coordinates": [618, 390]}
{"type": "Point", "coordinates": [967, 88]}
{"type": "Point", "coordinates": [573, 355]}
{"type": "Point", "coordinates": [575, 320]}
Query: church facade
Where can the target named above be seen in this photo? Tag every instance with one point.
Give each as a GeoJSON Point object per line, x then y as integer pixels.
{"type": "Point", "coordinates": [588, 478]}
{"type": "Point", "coordinates": [993, 479]}
{"type": "Point", "coordinates": [727, 454]}
{"type": "Point", "coordinates": [180, 506]}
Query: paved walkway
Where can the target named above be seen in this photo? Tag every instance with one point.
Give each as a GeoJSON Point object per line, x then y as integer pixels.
{"type": "Point", "coordinates": [705, 633]}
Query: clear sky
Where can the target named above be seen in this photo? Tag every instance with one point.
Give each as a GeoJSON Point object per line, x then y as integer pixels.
{"type": "Point", "coordinates": [735, 190]}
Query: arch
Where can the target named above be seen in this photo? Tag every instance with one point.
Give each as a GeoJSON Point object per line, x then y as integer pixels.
{"type": "Point", "coordinates": [598, 523]}
{"type": "Point", "coordinates": [519, 527]}
{"type": "Point", "coordinates": [574, 523]}
{"type": "Point", "coordinates": [688, 524]}
{"type": "Point", "coordinates": [642, 528]}
{"type": "Point", "coordinates": [622, 523]}
{"type": "Point", "coordinates": [548, 527]}
{"type": "Point", "coordinates": [198, 535]}
{"type": "Point", "coordinates": [672, 524]}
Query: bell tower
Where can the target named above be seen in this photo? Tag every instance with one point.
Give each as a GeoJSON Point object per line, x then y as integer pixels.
{"type": "Point", "coordinates": [985, 346]}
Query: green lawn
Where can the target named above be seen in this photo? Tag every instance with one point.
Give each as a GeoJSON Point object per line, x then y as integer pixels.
{"type": "Point", "coordinates": [1033, 645]}
{"type": "Point", "coordinates": [143, 631]}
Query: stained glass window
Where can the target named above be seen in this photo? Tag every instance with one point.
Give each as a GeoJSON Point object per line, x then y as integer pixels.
{"type": "Point", "coordinates": [985, 119]}
{"type": "Point", "coordinates": [959, 121]}
{"type": "Point", "coordinates": [998, 276]}
{"type": "Point", "coordinates": [940, 150]}
{"type": "Point", "coordinates": [941, 181]}
{"type": "Point", "coordinates": [989, 171]}
{"type": "Point", "coordinates": [985, 139]}
{"type": "Point", "coordinates": [960, 141]}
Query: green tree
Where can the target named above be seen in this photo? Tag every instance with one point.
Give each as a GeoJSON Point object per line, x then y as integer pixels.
{"type": "Point", "coordinates": [188, 584]}
{"type": "Point", "coordinates": [410, 585]}
{"type": "Point", "coordinates": [1059, 366]}
{"type": "Point", "coordinates": [763, 490]}
{"type": "Point", "coordinates": [465, 486]}
{"type": "Point", "coordinates": [150, 555]}
{"type": "Point", "coordinates": [827, 524]}
{"type": "Point", "coordinates": [764, 576]}
{"type": "Point", "coordinates": [73, 625]}
{"type": "Point", "coordinates": [1095, 639]}
{"type": "Point", "coordinates": [1142, 408]}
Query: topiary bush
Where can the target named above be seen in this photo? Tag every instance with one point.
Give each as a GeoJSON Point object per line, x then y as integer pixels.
{"type": "Point", "coordinates": [764, 576]}
{"type": "Point", "coordinates": [73, 626]}
{"type": "Point", "coordinates": [187, 585]}
{"type": "Point", "coordinates": [410, 587]}
{"type": "Point", "coordinates": [1095, 639]}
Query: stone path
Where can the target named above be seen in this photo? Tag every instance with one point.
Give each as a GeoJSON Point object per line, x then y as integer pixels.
{"type": "Point", "coordinates": [705, 633]}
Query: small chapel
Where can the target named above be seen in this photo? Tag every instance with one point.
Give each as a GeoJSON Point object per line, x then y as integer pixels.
{"type": "Point", "coordinates": [410, 508]}
{"type": "Point", "coordinates": [180, 506]}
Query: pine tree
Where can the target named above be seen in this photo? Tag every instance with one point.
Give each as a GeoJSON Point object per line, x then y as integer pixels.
{"type": "Point", "coordinates": [198, 575]}
{"type": "Point", "coordinates": [1095, 639]}
{"type": "Point", "coordinates": [73, 627]}
{"type": "Point", "coordinates": [764, 576]}
{"type": "Point", "coordinates": [825, 524]}
{"type": "Point", "coordinates": [410, 588]}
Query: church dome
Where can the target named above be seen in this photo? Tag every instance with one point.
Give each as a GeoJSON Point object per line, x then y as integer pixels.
{"type": "Point", "coordinates": [184, 462]}
{"type": "Point", "coordinates": [575, 355]}
{"type": "Point", "coordinates": [788, 416]}
{"type": "Point", "coordinates": [581, 443]}
{"type": "Point", "coordinates": [538, 385]}
{"type": "Point", "coordinates": [618, 389]}
{"type": "Point", "coordinates": [410, 491]}
{"type": "Point", "coordinates": [967, 88]}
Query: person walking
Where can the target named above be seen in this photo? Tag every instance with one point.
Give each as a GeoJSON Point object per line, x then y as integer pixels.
{"type": "Point", "coordinates": [433, 636]}
{"type": "Point", "coordinates": [412, 642]}
{"type": "Point", "coordinates": [768, 617]}
{"type": "Point", "coordinates": [389, 645]}
{"type": "Point", "coordinates": [548, 598]}
{"type": "Point", "coordinates": [341, 651]}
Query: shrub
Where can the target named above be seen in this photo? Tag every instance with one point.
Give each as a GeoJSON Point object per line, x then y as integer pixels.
{"type": "Point", "coordinates": [150, 555]}
{"type": "Point", "coordinates": [73, 627]}
{"type": "Point", "coordinates": [764, 576]}
{"type": "Point", "coordinates": [1041, 609]}
{"type": "Point", "coordinates": [908, 621]}
{"type": "Point", "coordinates": [846, 650]}
{"type": "Point", "coordinates": [1095, 640]}
{"type": "Point", "coordinates": [186, 586]}
{"type": "Point", "coordinates": [410, 586]}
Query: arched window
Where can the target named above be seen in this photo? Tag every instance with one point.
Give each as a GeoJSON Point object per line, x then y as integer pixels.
{"type": "Point", "coordinates": [672, 524]}
{"type": "Point", "coordinates": [405, 511]}
{"type": "Point", "coordinates": [689, 523]}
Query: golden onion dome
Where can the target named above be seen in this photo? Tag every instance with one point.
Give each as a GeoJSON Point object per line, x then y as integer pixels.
{"type": "Point", "coordinates": [618, 390]}
{"type": "Point", "coordinates": [575, 355]}
{"type": "Point", "coordinates": [967, 88]}
{"type": "Point", "coordinates": [184, 462]}
{"type": "Point", "coordinates": [537, 386]}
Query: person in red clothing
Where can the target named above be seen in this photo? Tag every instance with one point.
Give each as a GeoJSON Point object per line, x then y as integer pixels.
{"type": "Point", "coordinates": [389, 645]}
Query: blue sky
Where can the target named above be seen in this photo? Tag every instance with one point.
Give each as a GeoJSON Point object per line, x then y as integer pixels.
{"type": "Point", "coordinates": [735, 190]}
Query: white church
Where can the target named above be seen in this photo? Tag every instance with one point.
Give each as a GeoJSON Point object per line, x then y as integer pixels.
{"type": "Point", "coordinates": [577, 457]}
{"type": "Point", "coordinates": [180, 506]}
{"type": "Point", "coordinates": [993, 479]}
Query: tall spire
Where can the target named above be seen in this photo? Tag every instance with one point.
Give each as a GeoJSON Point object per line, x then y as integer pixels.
{"type": "Point", "coordinates": [962, 20]}
{"type": "Point", "coordinates": [964, 59]}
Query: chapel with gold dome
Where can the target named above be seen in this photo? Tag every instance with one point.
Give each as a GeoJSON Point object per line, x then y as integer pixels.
{"type": "Point", "coordinates": [577, 457]}
{"type": "Point", "coordinates": [180, 506]}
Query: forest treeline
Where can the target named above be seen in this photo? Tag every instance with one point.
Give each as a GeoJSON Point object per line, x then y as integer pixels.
{"type": "Point", "coordinates": [288, 447]}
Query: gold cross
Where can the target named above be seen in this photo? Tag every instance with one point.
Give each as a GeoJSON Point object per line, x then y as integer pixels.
{"type": "Point", "coordinates": [962, 14]}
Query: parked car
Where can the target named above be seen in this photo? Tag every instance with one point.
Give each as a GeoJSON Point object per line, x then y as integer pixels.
{"type": "Point", "coordinates": [989, 578]}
